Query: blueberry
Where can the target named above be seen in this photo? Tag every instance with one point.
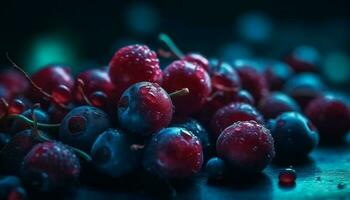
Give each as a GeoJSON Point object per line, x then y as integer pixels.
{"type": "Point", "coordinates": [294, 135]}
{"type": "Point", "coordinates": [82, 125]}
{"type": "Point", "coordinates": [41, 117]}
{"type": "Point", "coordinates": [277, 103]}
{"type": "Point", "coordinates": [196, 129]}
{"type": "Point", "coordinates": [215, 168]}
{"type": "Point", "coordinates": [7, 183]}
{"type": "Point", "coordinates": [113, 154]}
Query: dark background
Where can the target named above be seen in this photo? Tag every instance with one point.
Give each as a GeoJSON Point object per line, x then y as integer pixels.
{"type": "Point", "coordinates": [86, 33]}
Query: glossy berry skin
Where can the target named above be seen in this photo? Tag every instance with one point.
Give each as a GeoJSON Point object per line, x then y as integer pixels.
{"type": "Point", "coordinates": [144, 109]}
{"type": "Point", "coordinates": [304, 88]}
{"type": "Point", "coordinates": [232, 113]}
{"type": "Point", "coordinates": [13, 152]}
{"type": "Point", "coordinates": [246, 146]}
{"type": "Point", "coordinates": [56, 113]}
{"type": "Point", "coordinates": [287, 177]}
{"type": "Point", "coordinates": [331, 116]}
{"type": "Point", "coordinates": [197, 59]}
{"type": "Point", "coordinates": [277, 103]}
{"type": "Point", "coordinates": [253, 81]}
{"type": "Point", "coordinates": [215, 168]}
{"type": "Point", "coordinates": [54, 164]}
{"type": "Point", "coordinates": [96, 80]}
{"type": "Point", "coordinates": [112, 154]}
{"type": "Point", "coordinates": [182, 74]}
{"type": "Point", "coordinates": [40, 115]}
{"type": "Point", "coordinates": [304, 59]}
{"type": "Point", "coordinates": [49, 78]}
{"type": "Point", "coordinates": [173, 153]}
{"type": "Point", "coordinates": [14, 81]}
{"type": "Point", "coordinates": [82, 125]}
{"type": "Point", "coordinates": [277, 74]}
{"type": "Point", "coordinates": [196, 129]}
{"type": "Point", "coordinates": [132, 64]}
{"type": "Point", "coordinates": [243, 96]}
{"type": "Point", "coordinates": [7, 184]}
{"type": "Point", "coordinates": [294, 135]}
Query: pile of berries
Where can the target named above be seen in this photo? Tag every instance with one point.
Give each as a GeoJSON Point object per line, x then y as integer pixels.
{"type": "Point", "coordinates": [134, 116]}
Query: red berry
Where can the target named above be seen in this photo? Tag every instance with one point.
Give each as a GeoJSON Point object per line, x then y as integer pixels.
{"type": "Point", "coordinates": [173, 153]}
{"type": "Point", "coordinates": [96, 80]}
{"type": "Point", "coordinates": [287, 177]}
{"type": "Point", "coordinates": [331, 116]}
{"type": "Point", "coordinates": [14, 81]}
{"type": "Point", "coordinates": [304, 59]}
{"type": "Point", "coordinates": [246, 146]}
{"type": "Point", "coordinates": [61, 94]}
{"type": "Point", "coordinates": [57, 161]}
{"type": "Point", "coordinates": [16, 107]}
{"type": "Point", "coordinates": [232, 113]}
{"type": "Point", "coordinates": [182, 74]}
{"type": "Point", "coordinates": [132, 64]}
{"type": "Point", "coordinates": [99, 99]}
{"type": "Point", "coordinates": [276, 74]}
{"type": "Point", "coordinates": [253, 81]}
{"type": "Point", "coordinates": [198, 59]}
{"type": "Point", "coordinates": [49, 79]}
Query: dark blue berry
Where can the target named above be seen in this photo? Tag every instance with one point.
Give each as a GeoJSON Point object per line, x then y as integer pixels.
{"type": "Point", "coordinates": [277, 103]}
{"type": "Point", "coordinates": [294, 135]}
{"type": "Point", "coordinates": [113, 153]}
{"type": "Point", "coordinates": [215, 168]}
{"type": "Point", "coordinates": [8, 183]}
{"type": "Point", "coordinates": [82, 125]}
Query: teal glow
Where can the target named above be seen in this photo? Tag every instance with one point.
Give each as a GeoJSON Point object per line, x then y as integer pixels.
{"type": "Point", "coordinates": [50, 49]}
{"type": "Point", "coordinates": [336, 67]}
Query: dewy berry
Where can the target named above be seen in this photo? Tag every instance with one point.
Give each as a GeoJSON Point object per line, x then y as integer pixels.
{"type": "Point", "coordinates": [246, 146]}
{"type": "Point", "coordinates": [50, 165]}
{"type": "Point", "coordinates": [182, 74]}
{"type": "Point", "coordinates": [287, 177]}
{"type": "Point", "coordinates": [198, 59]}
{"type": "Point", "coordinates": [147, 105]}
{"type": "Point", "coordinates": [132, 64]}
{"type": "Point", "coordinates": [232, 113]}
{"type": "Point", "coordinates": [173, 153]}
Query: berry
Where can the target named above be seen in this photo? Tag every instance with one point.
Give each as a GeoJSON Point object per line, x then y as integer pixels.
{"type": "Point", "coordinates": [14, 81]}
{"type": "Point", "coordinates": [277, 74]}
{"type": "Point", "coordinates": [304, 88]}
{"type": "Point", "coordinates": [294, 135]}
{"type": "Point", "coordinates": [96, 80]}
{"type": "Point", "coordinates": [223, 76]}
{"type": "Point", "coordinates": [243, 96]}
{"type": "Point", "coordinates": [215, 168]}
{"type": "Point", "coordinates": [132, 64]}
{"type": "Point", "coordinates": [287, 177]}
{"type": "Point", "coordinates": [173, 153]}
{"type": "Point", "coordinates": [7, 184]}
{"type": "Point", "coordinates": [147, 105]}
{"type": "Point", "coordinates": [304, 59]}
{"type": "Point", "coordinates": [49, 78]}
{"type": "Point", "coordinates": [331, 116]}
{"type": "Point", "coordinates": [113, 155]}
{"type": "Point", "coordinates": [182, 74]}
{"type": "Point", "coordinates": [232, 113]}
{"type": "Point", "coordinates": [5, 93]}
{"type": "Point", "coordinates": [246, 146]}
{"type": "Point", "coordinates": [61, 94]}
{"type": "Point", "coordinates": [277, 103]}
{"type": "Point", "coordinates": [50, 165]}
{"type": "Point", "coordinates": [40, 116]}
{"type": "Point", "coordinates": [13, 153]}
{"type": "Point", "coordinates": [17, 193]}
{"type": "Point", "coordinates": [4, 139]}
{"type": "Point", "coordinates": [196, 129]}
{"type": "Point", "coordinates": [82, 125]}
{"type": "Point", "coordinates": [56, 113]}
{"type": "Point", "coordinates": [252, 81]}
{"type": "Point", "coordinates": [197, 59]}
{"type": "Point", "coordinates": [16, 107]}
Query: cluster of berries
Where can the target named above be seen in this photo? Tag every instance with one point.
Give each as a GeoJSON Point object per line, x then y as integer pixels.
{"type": "Point", "coordinates": [132, 115]}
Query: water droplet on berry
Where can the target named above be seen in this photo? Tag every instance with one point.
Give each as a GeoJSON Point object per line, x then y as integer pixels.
{"type": "Point", "coordinates": [61, 94]}
{"type": "Point", "coordinates": [287, 177]}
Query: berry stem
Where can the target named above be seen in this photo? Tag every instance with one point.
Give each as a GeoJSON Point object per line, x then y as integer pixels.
{"type": "Point", "coordinates": [182, 92]}
{"type": "Point", "coordinates": [81, 154]}
{"type": "Point", "coordinates": [82, 93]}
{"type": "Point", "coordinates": [172, 46]}
{"type": "Point", "coordinates": [31, 122]}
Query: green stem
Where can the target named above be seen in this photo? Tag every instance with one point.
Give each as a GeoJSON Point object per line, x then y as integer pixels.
{"type": "Point", "coordinates": [31, 122]}
{"type": "Point", "coordinates": [182, 92]}
{"type": "Point", "coordinates": [172, 46]}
